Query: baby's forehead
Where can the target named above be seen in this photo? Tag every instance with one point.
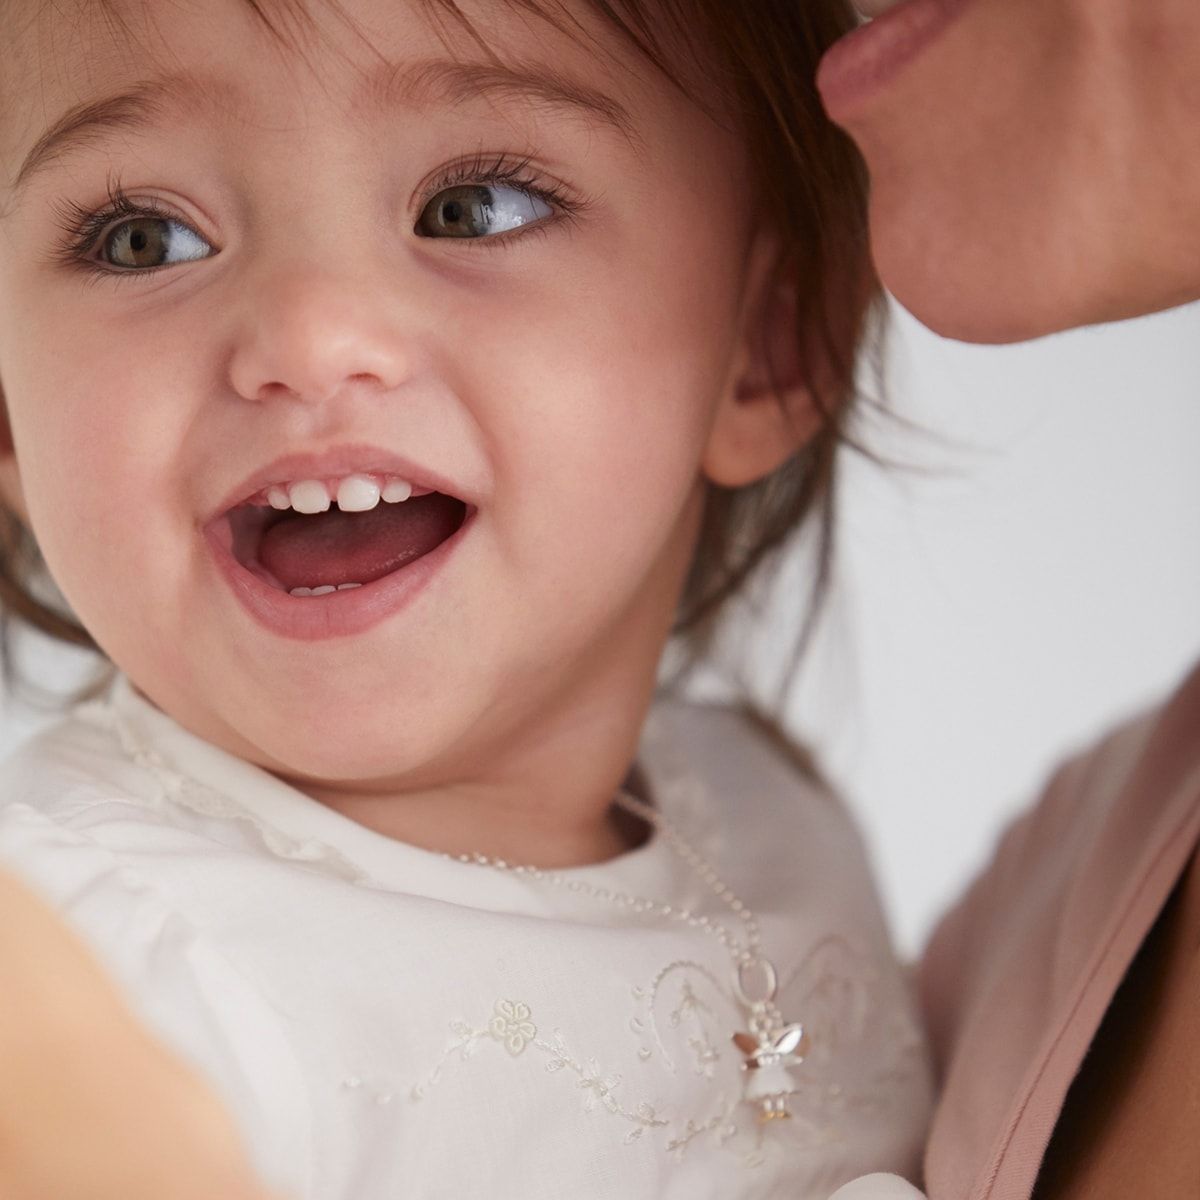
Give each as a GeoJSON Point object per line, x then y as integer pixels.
{"type": "Point", "coordinates": [221, 59]}
{"type": "Point", "coordinates": [343, 46]}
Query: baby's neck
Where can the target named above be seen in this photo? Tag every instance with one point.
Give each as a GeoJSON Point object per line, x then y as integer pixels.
{"type": "Point", "coordinates": [551, 808]}
{"type": "Point", "coordinates": [518, 834]}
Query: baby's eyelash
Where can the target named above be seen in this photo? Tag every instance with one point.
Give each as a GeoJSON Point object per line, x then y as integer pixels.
{"type": "Point", "coordinates": [83, 226]}
{"type": "Point", "coordinates": [507, 171]}
{"type": "Point", "coordinates": [504, 170]}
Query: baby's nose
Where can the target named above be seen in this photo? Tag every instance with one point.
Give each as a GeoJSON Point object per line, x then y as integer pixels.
{"type": "Point", "coordinates": [308, 332]}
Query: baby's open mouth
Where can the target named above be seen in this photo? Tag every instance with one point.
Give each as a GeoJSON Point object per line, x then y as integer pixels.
{"type": "Point", "coordinates": [304, 541]}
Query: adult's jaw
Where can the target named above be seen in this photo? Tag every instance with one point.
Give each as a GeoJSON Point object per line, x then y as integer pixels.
{"type": "Point", "coordinates": [1034, 162]}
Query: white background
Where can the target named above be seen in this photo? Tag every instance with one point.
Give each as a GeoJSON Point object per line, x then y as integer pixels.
{"type": "Point", "coordinates": [1028, 576]}
{"type": "Point", "coordinates": [1037, 581]}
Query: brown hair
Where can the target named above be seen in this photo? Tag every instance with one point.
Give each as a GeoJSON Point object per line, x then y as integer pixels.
{"type": "Point", "coordinates": [812, 190]}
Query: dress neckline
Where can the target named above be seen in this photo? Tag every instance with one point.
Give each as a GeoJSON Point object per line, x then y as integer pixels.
{"type": "Point", "coordinates": [211, 783]}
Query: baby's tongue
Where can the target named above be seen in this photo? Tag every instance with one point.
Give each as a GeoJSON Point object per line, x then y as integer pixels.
{"type": "Point", "coordinates": [338, 547]}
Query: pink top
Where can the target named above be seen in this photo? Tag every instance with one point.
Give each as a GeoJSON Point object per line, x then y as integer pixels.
{"type": "Point", "coordinates": [1019, 976]}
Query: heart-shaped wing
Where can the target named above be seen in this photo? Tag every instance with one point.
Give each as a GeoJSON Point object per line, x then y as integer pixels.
{"type": "Point", "coordinates": [790, 1040]}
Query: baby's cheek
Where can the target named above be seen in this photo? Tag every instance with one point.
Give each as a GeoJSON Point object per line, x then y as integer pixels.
{"type": "Point", "coordinates": [106, 488]}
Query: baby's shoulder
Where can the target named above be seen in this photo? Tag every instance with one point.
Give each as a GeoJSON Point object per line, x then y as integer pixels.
{"type": "Point", "coordinates": [749, 769]}
{"type": "Point", "coordinates": [74, 774]}
{"type": "Point", "coordinates": [737, 744]}
{"type": "Point", "coordinates": [80, 819]}
{"type": "Point", "coordinates": [81, 828]}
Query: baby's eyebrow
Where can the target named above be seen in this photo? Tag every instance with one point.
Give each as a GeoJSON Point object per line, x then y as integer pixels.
{"type": "Point", "coordinates": [456, 82]}
{"type": "Point", "coordinates": [144, 105]}
{"type": "Point", "coordinates": [140, 107]}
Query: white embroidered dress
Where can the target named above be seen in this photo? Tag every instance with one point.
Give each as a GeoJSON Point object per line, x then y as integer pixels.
{"type": "Point", "coordinates": [385, 1023]}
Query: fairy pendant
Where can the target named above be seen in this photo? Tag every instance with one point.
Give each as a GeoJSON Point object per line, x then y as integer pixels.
{"type": "Point", "coordinates": [772, 1046]}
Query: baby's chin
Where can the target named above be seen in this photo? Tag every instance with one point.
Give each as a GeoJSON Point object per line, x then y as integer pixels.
{"type": "Point", "coordinates": [355, 753]}
{"type": "Point", "coordinates": [326, 743]}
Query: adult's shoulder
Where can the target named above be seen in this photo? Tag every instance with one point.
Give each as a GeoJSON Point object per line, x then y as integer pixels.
{"type": "Point", "coordinates": [1099, 815]}
{"type": "Point", "coordinates": [1018, 977]}
{"type": "Point", "coordinates": [1042, 842]}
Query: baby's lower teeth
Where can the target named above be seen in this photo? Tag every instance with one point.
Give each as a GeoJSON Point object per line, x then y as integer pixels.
{"type": "Point", "coordinates": [324, 590]}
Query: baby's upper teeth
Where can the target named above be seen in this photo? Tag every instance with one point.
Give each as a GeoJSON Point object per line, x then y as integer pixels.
{"type": "Point", "coordinates": [396, 490]}
{"type": "Point", "coordinates": [309, 496]}
{"type": "Point", "coordinates": [354, 493]}
{"type": "Point", "coordinates": [358, 493]}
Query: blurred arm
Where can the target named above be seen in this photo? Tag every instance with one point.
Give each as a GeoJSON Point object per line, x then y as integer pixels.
{"type": "Point", "coordinates": [90, 1104]}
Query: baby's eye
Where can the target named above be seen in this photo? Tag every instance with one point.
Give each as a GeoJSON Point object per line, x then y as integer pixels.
{"type": "Point", "coordinates": [152, 242]}
{"type": "Point", "coordinates": [475, 211]}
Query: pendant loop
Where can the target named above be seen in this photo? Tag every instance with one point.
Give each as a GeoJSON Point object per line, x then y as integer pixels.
{"type": "Point", "coordinates": [755, 981]}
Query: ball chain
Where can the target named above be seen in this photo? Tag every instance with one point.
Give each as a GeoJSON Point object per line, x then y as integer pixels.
{"type": "Point", "coordinates": [743, 956]}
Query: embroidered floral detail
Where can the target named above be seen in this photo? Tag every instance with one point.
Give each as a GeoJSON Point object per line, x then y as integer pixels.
{"type": "Point", "coordinates": [867, 1050]}
{"type": "Point", "coordinates": [597, 1086]}
{"type": "Point", "coordinates": [868, 1055]}
{"type": "Point", "coordinates": [600, 1089]}
{"type": "Point", "coordinates": [707, 1055]}
{"type": "Point", "coordinates": [651, 998]}
{"type": "Point", "coordinates": [691, 1006]}
{"type": "Point", "coordinates": [718, 1125]}
{"type": "Point", "coordinates": [512, 1026]}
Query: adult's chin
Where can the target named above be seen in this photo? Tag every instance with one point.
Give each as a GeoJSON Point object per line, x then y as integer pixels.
{"type": "Point", "coordinates": [999, 274]}
{"type": "Point", "coordinates": [985, 274]}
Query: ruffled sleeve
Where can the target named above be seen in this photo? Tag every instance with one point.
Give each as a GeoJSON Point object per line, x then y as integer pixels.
{"type": "Point", "coordinates": [188, 994]}
{"type": "Point", "coordinates": [878, 1187]}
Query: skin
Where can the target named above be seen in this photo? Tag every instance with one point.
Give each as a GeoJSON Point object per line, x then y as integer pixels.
{"type": "Point", "coordinates": [585, 381]}
{"type": "Point", "coordinates": [1038, 167]}
{"type": "Point", "coordinates": [1035, 169]}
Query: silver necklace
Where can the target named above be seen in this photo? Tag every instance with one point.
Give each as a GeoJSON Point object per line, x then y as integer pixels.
{"type": "Point", "coordinates": [771, 1046]}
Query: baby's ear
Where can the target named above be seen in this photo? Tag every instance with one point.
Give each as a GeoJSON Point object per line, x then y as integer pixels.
{"type": "Point", "coordinates": [12, 494]}
{"type": "Point", "coordinates": [768, 411]}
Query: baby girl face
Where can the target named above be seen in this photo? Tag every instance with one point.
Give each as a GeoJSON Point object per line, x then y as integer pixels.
{"type": "Point", "coordinates": [515, 286]}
